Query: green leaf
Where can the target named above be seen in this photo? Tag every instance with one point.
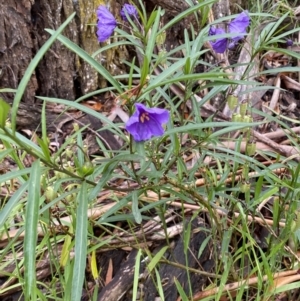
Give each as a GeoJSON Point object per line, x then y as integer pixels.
{"type": "Point", "coordinates": [227, 125]}
{"type": "Point", "coordinates": [155, 260]}
{"type": "Point", "coordinates": [187, 237]}
{"type": "Point", "coordinates": [65, 252]}
{"type": "Point", "coordinates": [159, 285]}
{"type": "Point", "coordinates": [44, 126]}
{"type": "Point", "coordinates": [31, 221]}
{"type": "Point", "coordinates": [106, 175]}
{"type": "Point", "coordinates": [80, 243]}
{"type": "Point", "coordinates": [151, 42]}
{"type": "Point", "coordinates": [93, 265]}
{"type": "Point", "coordinates": [135, 208]}
{"type": "Point", "coordinates": [120, 204]}
{"type": "Point", "coordinates": [16, 174]}
{"type": "Point", "coordinates": [180, 290]}
{"type": "Point", "coordinates": [20, 140]}
{"type": "Point", "coordinates": [144, 71]}
{"type": "Point", "coordinates": [5, 153]}
{"type": "Point", "coordinates": [10, 205]}
{"type": "Point", "coordinates": [4, 110]}
{"type": "Point", "coordinates": [8, 90]}
{"type": "Point", "coordinates": [45, 149]}
{"type": "Point", "coordinates": [187, 66]}
{"type": "Point", "coordinates": [136, 274]}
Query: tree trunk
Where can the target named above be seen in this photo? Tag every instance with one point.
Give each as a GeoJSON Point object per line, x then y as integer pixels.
{"type": "Point", "coordinates": [22, 34]}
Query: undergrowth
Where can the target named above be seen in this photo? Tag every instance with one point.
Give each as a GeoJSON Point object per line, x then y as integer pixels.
{"type": "Point", "coordinates": [67, 207]}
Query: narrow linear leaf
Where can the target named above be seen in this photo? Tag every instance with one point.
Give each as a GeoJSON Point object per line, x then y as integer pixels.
{"type": "Point", "coordinates": [17, 174]}
{"type": "Point", "coordinates": [80, 243]}
{"type": "Point", "coordinates": [4, 110]}
{"type": "Point", "coordinates": [13, 201]}
{"type": "Point", "coordinates": [153, 34]}
{"type": "Point", "coordinates": [5, 153]}
{"type": "Point", "coordinates": [8, 90]}
{"type": "Point", "coordinates": [180, 290]}
{"type": "Point", "coordinates": [31, 221]}
{"type": "Point", "coordinates": [45, 148]}
{"type": "Point", "coordinates": [135, 208]}
{"type": "Point", "coordinates": [44, 124]}
{"type": "Point", "coordinates": [65, 253]}
{"type": "Point", "coordinates": [160, 289]}
{"type": "Point", "coordinates": [154, 261]}
{"type": "Point", "coordinates": [136, 274]}
{"type": "Point", "coordinates": [94, 267]}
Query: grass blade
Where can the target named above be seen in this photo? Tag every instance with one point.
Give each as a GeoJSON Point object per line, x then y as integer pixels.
{"type": "Point", "coordinates": [32, 214]}
{"type": "Point", "coordinates": [80, 244]}
{"type": "Point", "coordinates": [13, 201]}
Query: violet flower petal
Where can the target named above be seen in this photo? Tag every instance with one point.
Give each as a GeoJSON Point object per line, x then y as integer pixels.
{"type": "Point", "coordinates": [239, 25]}
{"type": "Point", "coordinates": [219, 45]}
{"type": "Point", "coordinates": [146, 122]}
{"type": "Point", "coordinates": [212, 31]}
{"type": "Point", "coordinates": [106, 23]}
{"type": "Point", "coordinates": [130, 10]}
{"type": "Point", "coordinates": [232, 45]}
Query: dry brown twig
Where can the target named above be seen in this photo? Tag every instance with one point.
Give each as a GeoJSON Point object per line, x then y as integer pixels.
{"type": "Point", "coordinates": [248, 282]}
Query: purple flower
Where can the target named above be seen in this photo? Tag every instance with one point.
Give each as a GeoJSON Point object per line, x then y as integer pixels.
{"type": "Point", "coordinates": [289, 42]}
{"type": "Point", "coordinates": [219, 45]}
{"type": "Point", "coordinates": [239, 25]}
{"type": "Point", "coordinates": [232, 45]}
{"type": "Point", "coordinates": [106, 23]}
{"type": "Point", "coordinates": [130, 10]}
{"type": "Point", "coordinates": [146, 122]}
{"type": "Point", "coordinates": [237, 28]}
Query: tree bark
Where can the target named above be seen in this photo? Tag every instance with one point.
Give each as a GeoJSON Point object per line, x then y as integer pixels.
{"type": "Point", "coordinates": [61, 73]}
{"type": "Point", "coordinates": [16, 45]}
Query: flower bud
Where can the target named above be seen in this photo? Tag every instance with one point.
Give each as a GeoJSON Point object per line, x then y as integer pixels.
{"type": "Point", "coordinates": [246, 118]}
{"type": "Point", "coordinates": [60, 175]}
{"type": "Point", "coordinates": [245, 171]}
{"type": "Point", "coordinates": [87, 169]}
{"type": "Point", "coordinates": [243, 108]}
{"type": "Point", "coordinates": [76, 127]}
{"type": "Point", "coordinates": [232, 45]}
{"type": "Point", "coordinates": [251, 148]}
{"type": "Point", "coordinates": [232, 101]}
{"type": "Point", "coordinates": [50, 194]}
{"type": "Point", "coordinates": [70, 197]}
{"type": "Point", "coordinates": [245, 187]}
{"type": "Point", "coordinates": [236, 117]}
{"type": "Point", "coordinates": [162, 56]}
{"type": "Point", "coordinates": [69, 153]}
{"type": "Point", "coordinates": [161, 38]}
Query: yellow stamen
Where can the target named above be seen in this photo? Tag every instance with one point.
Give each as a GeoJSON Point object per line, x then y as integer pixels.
{"type": "Point", "coordinates": [144, 116]}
